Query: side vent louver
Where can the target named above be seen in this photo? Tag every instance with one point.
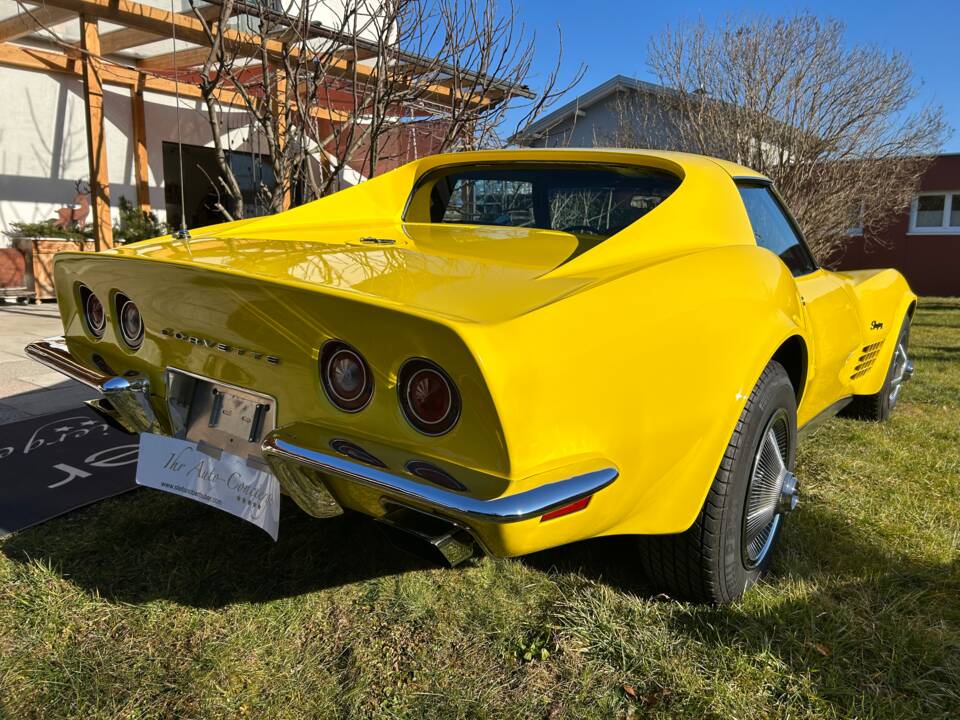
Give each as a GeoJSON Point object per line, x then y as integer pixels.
{"type": "Point", "coordinates": [868, 356]}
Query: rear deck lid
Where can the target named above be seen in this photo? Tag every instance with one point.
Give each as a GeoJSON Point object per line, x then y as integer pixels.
{"type": "Point", "coordinates": [479, 274]}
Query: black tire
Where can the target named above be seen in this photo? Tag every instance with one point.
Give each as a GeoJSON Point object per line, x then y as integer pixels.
{"type": "Point", "coordinates": [878, 407]}
{"type": "Point", "coordinates": [709, 563]}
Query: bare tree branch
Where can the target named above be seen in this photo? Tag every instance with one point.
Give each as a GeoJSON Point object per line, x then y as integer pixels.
{"type": "Point", "coordinates": [830, 124]}
{"type": "Point", "coordinates": [379, 83]}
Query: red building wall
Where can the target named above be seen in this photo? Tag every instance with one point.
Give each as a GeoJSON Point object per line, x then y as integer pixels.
{"type": "Point", "coordinates": [931, 263]}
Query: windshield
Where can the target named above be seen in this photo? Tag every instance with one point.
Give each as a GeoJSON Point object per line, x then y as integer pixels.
{"type": "Point", "coordinates": [584, 199]}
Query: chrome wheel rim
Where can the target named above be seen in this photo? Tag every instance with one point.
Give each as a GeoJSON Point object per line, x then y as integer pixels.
{"type": "Point", "coordinates": [772, 491]}
{"type": "Point", "coordinates": [902, 370]}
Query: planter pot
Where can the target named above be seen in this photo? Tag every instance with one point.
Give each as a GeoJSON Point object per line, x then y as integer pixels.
{"type": "Point", "coordinates": [38, 266]}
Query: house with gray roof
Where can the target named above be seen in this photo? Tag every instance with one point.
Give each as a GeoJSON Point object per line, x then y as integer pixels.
{"type": "Point", "coordinates": [601, 117]}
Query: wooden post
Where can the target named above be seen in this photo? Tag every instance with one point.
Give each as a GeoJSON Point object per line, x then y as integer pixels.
{"type": "Point", "coordinates": [96, 138]}
{"type": "Point", "coordinates": [140, 158]}
{"type": "Point", "coordinates": [280, 112]}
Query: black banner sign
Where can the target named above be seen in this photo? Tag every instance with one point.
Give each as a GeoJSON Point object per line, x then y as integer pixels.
{"type": "Point", "coordinates": [57, 463]}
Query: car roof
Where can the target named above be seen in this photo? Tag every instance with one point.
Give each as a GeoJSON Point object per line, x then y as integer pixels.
{"type": "Point", "coordinates": [601, 154]}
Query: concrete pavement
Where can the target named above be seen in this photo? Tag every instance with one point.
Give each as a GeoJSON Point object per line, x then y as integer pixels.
{"type": "Point", "coordinates": [27, 388]}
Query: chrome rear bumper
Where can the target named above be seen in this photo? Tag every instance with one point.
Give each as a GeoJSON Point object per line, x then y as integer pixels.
{"type": "Point", "coordinates": [509, 508]}
{"type": "Point", "coordinates": [129, 396]}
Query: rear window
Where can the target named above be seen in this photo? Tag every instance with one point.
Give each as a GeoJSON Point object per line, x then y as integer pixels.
{"type": "Point", "coordinates": [584, 199]}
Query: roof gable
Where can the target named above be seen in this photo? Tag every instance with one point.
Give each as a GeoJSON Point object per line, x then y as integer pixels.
{"type": "Point", "coordinates": [588, 99]}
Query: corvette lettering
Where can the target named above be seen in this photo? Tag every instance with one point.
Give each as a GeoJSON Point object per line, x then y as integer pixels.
{"type": "Point", "coordinates": [222, 347]}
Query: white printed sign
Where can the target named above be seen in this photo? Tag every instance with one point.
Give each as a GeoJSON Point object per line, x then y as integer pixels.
{"type": "Point", "coordinates": [228, 483]}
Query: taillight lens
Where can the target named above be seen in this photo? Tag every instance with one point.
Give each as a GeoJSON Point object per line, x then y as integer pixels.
{"type": "Point", "coordinates": [131, 324]}
{"type": "Point", "coordinates": [345, 376]}
{"type": "Point", "coordinates": [94, 314]}
{"type": "Point", "coordinates": [428, 397]}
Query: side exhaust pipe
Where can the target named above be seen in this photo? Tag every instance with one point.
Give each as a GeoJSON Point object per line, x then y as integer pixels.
{"type": "Point", "coordinates": [427, 536]}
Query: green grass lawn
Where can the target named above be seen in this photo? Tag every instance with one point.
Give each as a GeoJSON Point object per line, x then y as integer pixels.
{"type": "Point", "coordinates": [154, 606]}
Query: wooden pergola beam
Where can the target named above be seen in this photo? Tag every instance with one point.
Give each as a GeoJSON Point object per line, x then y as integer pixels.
{"type": "Point", "coordinates": [353, 54]}
{"type": "Point", "coordinates": [32, 59]}
{"type": "Point", "coordinates": [24, 23]}
{"type": "Point", "coordinates": [129, 37]}
{"type": "Point", "coordinates": [162, 23]}
{"type": "Point", "coordinates": [412, 69]}
{"type": "Point", "coordinates": [186, 58]}
{"type": "Point", "coordinates": [96, 138]}
{"type": "Point", "coordinates": [190, 29]}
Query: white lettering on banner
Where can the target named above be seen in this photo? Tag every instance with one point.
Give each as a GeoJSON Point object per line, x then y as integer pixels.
{"type": "Point", "coordinates": [72, 474]}
{"type": "Point", "coordinates": [71, 428]}
{"type": "Point", "coordinates": [228, 483]}
{"type": "Point", "coordinates": [61, 431]}
{"type": "Point", "coordinates": [114, 457]}
{"type": "Point", "coordinates": [122, 455]}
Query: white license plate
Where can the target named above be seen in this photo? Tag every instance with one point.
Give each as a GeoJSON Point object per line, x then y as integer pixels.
{"type": "Point", "coordinates": [197, 471]}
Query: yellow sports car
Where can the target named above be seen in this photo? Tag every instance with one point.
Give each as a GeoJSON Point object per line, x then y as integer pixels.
{"type": "Point", "coordinates": [503, 350]}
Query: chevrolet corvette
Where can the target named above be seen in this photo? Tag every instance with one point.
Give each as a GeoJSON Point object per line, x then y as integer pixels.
{"type": "Point", "coordinates": [501, 351]}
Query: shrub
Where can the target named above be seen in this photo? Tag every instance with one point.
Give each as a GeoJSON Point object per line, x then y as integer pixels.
{"type": "Point", "coordinates": [48, 229]}
{"type": "Point", "coordinates": [136, 224]}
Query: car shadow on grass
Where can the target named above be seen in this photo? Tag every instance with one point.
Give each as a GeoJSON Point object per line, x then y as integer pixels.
{"type": "Point", "coordinates": [872, 626]}
{"type": "Point", "coordinates": [838, 611]}
{"type": "Point", "coordinates": [149, 545]}
{"type": "Point", "coordinates": [817, 543]}
{"type": "Point", "coordinates": [613, 561]}
{"type": "Point", "coordinates": [932, 305]}
{"type": "Point", "coordinates": [943, 353]}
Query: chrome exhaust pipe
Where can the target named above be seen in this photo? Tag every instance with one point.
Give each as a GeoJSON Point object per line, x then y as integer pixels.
{"type": "Point", "coordinates": [427, 536]}
{"type": "Point", "coordinates": [105, 409]}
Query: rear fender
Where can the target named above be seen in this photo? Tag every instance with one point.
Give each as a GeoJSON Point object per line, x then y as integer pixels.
{"type": "Point", "coordinates": [650, 371]}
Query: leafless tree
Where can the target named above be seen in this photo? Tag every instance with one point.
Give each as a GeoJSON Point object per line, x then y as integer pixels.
{"type": "Point", "coordinates": [353, 87]}
{"type": "Point", "coordinates": [832, 125]}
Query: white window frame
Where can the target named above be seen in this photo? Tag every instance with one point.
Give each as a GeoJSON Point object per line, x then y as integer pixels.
{"type": "Point", "coordinates": [857, 230]}
{"type": "Point", "coordinates": [950, 197]}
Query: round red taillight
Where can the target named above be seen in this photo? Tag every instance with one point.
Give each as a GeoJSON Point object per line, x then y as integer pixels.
{"type": "Point", "coordinates": [93, 313]}
{"type": "Point", "coordinates": [428, 397]}
{"type": "Point", "coordinates": [345, 376]}
{"type": "Point", "coordinates": [131, 324]}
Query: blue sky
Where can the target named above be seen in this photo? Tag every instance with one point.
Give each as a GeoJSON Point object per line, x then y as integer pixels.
{"type": "Point", "coordinates": [611, 36]}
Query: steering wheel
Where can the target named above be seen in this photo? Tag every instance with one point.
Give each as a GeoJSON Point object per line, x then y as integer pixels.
{"type": "Point", "coordinates": [581, 230]}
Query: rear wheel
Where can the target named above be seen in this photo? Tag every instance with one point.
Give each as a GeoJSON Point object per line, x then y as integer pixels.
{"type": "Point", "coordinates": [729, 545]}
{"type": "Point", "coordinates": [879, 406]}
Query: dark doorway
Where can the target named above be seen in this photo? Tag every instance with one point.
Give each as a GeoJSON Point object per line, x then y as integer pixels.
{"type": "Point", "coordinates": [200, 172]}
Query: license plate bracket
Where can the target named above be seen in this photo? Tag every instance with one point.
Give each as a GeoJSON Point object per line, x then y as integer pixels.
{"type": "Point", "coordinates": [228, 417]}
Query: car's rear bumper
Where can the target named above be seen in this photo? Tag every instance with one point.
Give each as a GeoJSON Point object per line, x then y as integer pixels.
{"type": "Point", "coordinates": [532, 503]}
{"type": "Point", "coordinates": [320, 479]}
{"type": "Point", "coordinates": [128, 395]}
